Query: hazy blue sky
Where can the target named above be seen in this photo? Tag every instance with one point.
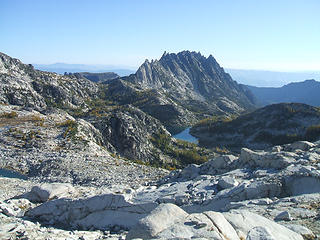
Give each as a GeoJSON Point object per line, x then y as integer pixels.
{"type": "Point", "coordinates": [251, 34]}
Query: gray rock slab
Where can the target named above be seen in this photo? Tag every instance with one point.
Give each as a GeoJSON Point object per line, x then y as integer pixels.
{"type": "Point", "coordinates": [243, 221]}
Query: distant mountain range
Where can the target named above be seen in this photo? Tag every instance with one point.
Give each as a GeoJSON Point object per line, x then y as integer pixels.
{"type": "Point", "coordinates": [61, 68]}
{"type": "Point", "coordinates": [260, 78]}
{"type": "Point", "coordinates": [301, 92]}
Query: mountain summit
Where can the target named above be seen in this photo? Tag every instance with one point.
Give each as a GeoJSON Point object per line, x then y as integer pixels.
{"type": "Point", "coordinates": [195, 81]}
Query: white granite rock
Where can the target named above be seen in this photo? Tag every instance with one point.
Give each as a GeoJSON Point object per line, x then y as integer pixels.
{"type": "Point", "coordinates": [219, 163]}
{"type": "Point", "coordinates": [98, 212]}
{"type": "Point", "coordinates": [15, 207]}
{"type": "Point", "coordinates": [300, 145]}
{"type": "Point", "coordinates": [49, 191]}
{"type": "Point", "coordinates": [223, 226]}
{"type": "Point", "coordinates": [305, 232]}
{"type": "Point", "coordinates": [244, 221]}
{"type": "Point", "coordinates": [283, 216]}
{"type": "Point", "coordinates": [260, 233]}
{"type": "Point", "coordinates": [159, 219]}
{"type": "Point", "coordinates": [227, 182]}
{"type": "Point", "coordinates": [265, 159]}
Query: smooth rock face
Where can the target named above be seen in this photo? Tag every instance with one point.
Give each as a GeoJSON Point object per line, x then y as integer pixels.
{"type": "Point", "coordinates": [260, 233]}
{"type": "Point", "coordinates": [305, 232]}
{"type": "Point", "coordinates": [209, 225]}
{"type": "Point", "coordinates": [244, 221]}
{"type": "Point", "coordinates": [222, 225]}
{"type": "Point", "coordinates": [99, 212]}
{"type": "Point", "coordinates": [303, 185]}
{"type": "Point", "coordinates": [158, 220]}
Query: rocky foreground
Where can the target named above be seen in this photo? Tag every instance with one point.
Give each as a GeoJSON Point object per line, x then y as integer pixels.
{"type": "Point", "coordinates": [272, 194]}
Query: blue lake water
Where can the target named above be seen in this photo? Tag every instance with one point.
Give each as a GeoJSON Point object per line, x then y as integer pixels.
{"type": "Point", "coordinates": [11, 174]}
{"type": "Point", "coordinates": [186, 136]}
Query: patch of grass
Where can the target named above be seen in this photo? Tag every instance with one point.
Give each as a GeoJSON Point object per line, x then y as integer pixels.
{"type": "Point", "coordinates": [38, 120]}
{"type": "Point", "coordinates": [71, 128]}
{"type": "Point", "coordinates": [11, 114]}
{"type": "Point", "coordinates": [189, 156]}
{"type": "Point", "coordinates": [207, 122]}
{"type": "Point", "coordinates": [222, 150]}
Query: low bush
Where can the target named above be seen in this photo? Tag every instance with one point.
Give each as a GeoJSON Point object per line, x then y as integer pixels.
{"type": "Point", "coordinates": [71, 128]}
{"type": "Point", "coordinates": [313, 133]}
{"type": "Point", "coordinates": [11, 114]}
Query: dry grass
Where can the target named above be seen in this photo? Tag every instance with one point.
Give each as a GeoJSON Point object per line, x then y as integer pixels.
{"type": "Point", "coordinates": [5, 121]}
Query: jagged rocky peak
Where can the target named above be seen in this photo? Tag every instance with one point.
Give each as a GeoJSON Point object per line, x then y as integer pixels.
{"type": "Point", "coordinates": [193, 79]}
{"type": "Point", "coordinates": [187, 67]}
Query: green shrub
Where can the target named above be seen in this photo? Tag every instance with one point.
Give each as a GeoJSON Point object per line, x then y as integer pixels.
{"type": "Point", "coordinates": [280, 139]}
{"type": "Point", "coordinates": [162, 141]}
{"type": "Point", "coordinates": [313, 133]}
{"type": "Point", "coordinates": [71, 128]}
{"type": "Point", "coordinates": [187, 156]}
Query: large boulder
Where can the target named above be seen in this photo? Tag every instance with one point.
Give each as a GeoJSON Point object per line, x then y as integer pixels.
{"type": "Point", "coordinates": [227, 182]}
{"type": "Point", "coordinates": [159, 219]}
{"type": "Point", "coordinates": [297, 185]}
{"type": "Point", "coordinates": [98, 212]}
{"type": "Point", "coordinates": [49, 191]}
{"type": "Point", "coordinates": [219, 164]}
{"type": "Point", "coordinates": [261, 159]}
{"type": "Point", "coordinates": [170, 222]}
{"type": "Point", "coordinates": [300, 145]}
{"type": "Point", "coordinates": [260, 233]}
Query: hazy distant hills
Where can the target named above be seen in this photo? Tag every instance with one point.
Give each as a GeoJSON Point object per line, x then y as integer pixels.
{"type": "Point", "coordinates": [64, 67]}
{"type": "Point", "coordinates": [260, 78]}
{"type": "Point", "coordinates": [303, 92]}
{"type": "Point", "coordinates": [98, 77]}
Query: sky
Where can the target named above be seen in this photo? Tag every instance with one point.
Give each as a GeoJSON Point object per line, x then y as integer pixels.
{"type": "Point", "coordinates": [282, 35]}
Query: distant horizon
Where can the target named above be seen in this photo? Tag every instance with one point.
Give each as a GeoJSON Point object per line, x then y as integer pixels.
{"type": "Point", "coordinates": [135, 68]}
